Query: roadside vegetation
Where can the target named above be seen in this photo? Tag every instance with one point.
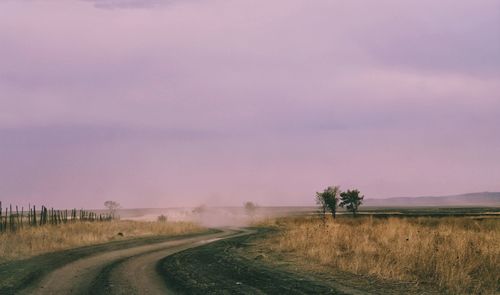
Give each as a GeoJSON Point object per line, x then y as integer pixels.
{"type": "Point", "coordinates": [31, 241]}
{"type": "Point", "coordinates": [26, 233]}
{"type": "Point", "coordinates": [458, 254]}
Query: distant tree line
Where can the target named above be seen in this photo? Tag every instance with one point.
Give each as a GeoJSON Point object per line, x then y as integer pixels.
{"type": "Point", "coordinates": [332, 197]}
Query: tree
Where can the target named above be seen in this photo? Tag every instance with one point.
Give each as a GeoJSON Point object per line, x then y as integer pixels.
{"type": "Point", "coordinates": [162, 218]}
{"type": "Point", "coordinates": [332, 199]}
{"type": "Point", "coordinates": [250, 208]}
{"type": "Point", "coordinates": [200, 209]}
{"type": "Point", "coordinates": [351, 200]}
{"type": "Point", "coordinates": [320, 201]}
{"type": "Point", "coordinates": [328, 201]}
{"type": "Point", "coordinates": [112, 207]}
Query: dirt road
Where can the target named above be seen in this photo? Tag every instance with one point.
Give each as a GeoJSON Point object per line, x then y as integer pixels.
{"type": "Point", "coordinates": [215, 262]}
{"type": "Point", "coordinates": [126, 270]}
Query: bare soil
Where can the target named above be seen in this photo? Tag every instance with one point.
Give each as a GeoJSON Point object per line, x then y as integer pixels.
{"type": "Point", "coordinates": [239, 266]}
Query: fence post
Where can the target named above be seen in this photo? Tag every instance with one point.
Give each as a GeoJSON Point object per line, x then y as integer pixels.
{"type": "Point", "coordinates": [34, 215]}
{"type": "Point", "coordinates": [10, 217]}
{"type": "Point", "coordinates": [17, 217]}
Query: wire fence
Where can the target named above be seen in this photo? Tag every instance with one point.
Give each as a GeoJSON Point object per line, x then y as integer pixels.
{"type": "Point", "coordinates": [13, 218]}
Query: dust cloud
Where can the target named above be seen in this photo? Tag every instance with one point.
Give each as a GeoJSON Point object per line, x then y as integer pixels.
{"type": "Point", "coordinates": [212, 216]}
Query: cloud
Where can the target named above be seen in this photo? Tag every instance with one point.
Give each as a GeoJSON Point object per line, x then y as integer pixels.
{"type": "Point", "coordinates": [429, 36]}
{"type": "Point", "coordinates": [123, 4]}
{"type": "Point", "coordinates": [246, 99]}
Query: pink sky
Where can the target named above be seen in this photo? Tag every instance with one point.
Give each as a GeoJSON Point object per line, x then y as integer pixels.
{"type": "Point", "coordinates": [183, 102]}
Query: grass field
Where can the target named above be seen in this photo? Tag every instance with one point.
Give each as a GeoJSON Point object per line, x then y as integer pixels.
{"type": "Point", "coordinates": [32, 241]}
{"type": "Point", "coordinates": [458, 254]}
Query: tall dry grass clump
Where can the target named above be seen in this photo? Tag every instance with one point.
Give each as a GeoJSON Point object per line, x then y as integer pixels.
{"type": "Point", "coordinates": [460, 255]}
{"type": "Point", "coordinates": [32, 241]}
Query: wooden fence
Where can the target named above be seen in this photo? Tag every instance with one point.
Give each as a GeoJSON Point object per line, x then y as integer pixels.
{"type": "Point", "coordinates": [12, 219]}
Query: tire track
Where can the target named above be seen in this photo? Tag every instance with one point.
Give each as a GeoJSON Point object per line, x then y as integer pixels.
{"type": "Point", "coordinates": [125, 271]}
{"type": "Point", "coordinates": [139, 274]}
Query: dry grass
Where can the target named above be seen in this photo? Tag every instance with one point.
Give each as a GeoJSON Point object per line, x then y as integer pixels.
{"type": "Point", "coordinates": [460, 255]}
{"type": "Point", "coordinates": [37, 240]}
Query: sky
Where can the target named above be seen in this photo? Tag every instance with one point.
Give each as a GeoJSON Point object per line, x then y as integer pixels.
{"type": "Point", "coordinates": [186, 102]}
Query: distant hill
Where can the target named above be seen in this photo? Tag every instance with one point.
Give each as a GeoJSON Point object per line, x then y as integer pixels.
{"type": "Point", "coordinates": [484, 199]}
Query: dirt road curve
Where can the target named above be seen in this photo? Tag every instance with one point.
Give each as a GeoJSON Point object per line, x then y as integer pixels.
{"type": "Point", "coordinates": [223, 261]}
{"type": "Point", "coordinates": [124, 271]}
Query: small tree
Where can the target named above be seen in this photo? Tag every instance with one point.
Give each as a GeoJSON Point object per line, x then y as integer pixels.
{"type": "Point", "coordinates": [328, 201]}
{"type": "Point", "coordinates": [250, 208]}
{"type": "Point", "coordinates": [112, 207]}
{"type": "Point", "coordinates": [332, 199]}
{"type": "Point", "coordinates": [351, 200]}
{"type": "Point", "coordinates": [321, 202]}
{"type": "Point", "coordinates": [162, 218]}
{"type": "Point", "coordinates": [200, 209]}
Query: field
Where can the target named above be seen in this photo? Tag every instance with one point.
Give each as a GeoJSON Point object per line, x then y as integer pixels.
{"type": "Point", "coordinates": [460, 255]}
{"type": "Point", "coordinates": [286, 250]}
{"type": "Point", "coordinates": [30, 241]}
